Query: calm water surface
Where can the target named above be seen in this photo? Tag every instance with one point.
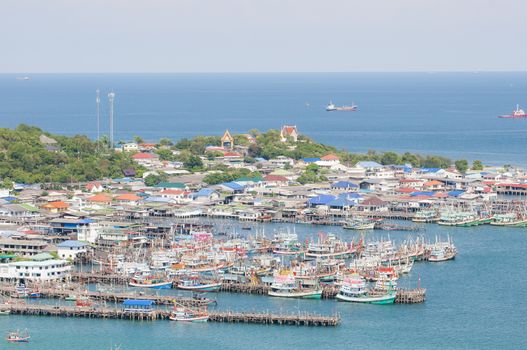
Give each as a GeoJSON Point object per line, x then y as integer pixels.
{"type": "Point", "coordinates": [473, 302]}
{"type": "Point", "coordinates": [453, 114]}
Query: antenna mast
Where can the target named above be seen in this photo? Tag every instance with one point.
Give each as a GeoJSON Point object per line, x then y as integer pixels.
{"type": "Point", "coordinates": [111, 97]}
{"type": "Point", "coordinates": [98, 102]}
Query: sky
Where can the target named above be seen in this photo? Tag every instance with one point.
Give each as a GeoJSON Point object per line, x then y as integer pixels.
{"type": "Point", "coordinates": [100, 36]}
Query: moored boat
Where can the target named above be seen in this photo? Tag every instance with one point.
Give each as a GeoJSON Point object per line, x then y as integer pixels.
{"type": "Point", "coordinates": [516, 114]}
{"type": "Point", "coordinates": [151, 281]}
{"type": "Point", "coordinates": [286, 286]}
{"type": "Point", "coordinates": [184, 314]}
{"type": "Point", "coordinates": [354, 290]}
{"type": "Point", "coordinates": [195, 284]}
{"type": "Point", "coordinates": [17, 337]}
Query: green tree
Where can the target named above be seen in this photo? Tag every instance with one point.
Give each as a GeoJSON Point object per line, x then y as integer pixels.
{"type": "Point", "coordinates": [138, 139]}
{"type": "Point", "coordinates": [461, 165]}
{"type": "Point", "coordinates": [389, 158]}
{"type": "Point", "coordinates": [193, 163]}
{"type": "Point", "coordinates": [477, 165]}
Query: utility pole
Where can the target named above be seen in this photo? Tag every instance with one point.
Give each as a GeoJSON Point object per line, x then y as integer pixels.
{"type": "Point", "coordinates": [111, 97]}
{"type": "Point", "coordinates": [98, 102]}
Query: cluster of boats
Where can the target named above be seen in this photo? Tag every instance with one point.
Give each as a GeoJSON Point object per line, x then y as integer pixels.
{"type": "Point", "coordinates": [470, 218]}
{"type": "Point", "coordinates": [360, 271]}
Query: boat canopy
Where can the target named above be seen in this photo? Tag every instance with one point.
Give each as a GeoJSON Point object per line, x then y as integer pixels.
{"type": "Point", "coordinates": [138, 303]}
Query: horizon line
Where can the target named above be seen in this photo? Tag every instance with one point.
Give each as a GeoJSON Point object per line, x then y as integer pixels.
{"type": "Point", "coordinates": [277, 72]}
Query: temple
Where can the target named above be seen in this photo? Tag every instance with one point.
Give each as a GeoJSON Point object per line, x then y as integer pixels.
{"type": "Point", "coordinates": [227, 141]}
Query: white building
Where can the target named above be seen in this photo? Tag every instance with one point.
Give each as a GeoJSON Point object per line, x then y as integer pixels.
{"type": "Point", "coordinates": [70, 249]}
{"type": "Point", "coordinates": [36, 271]}
{"type": "Point", "coordinates": [131, 147]}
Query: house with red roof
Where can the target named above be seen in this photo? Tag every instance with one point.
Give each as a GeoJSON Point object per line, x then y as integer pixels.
{"type": "Point", "coordinates": [128, 199]}
{"type": "Point", "coordinates": [176, 195]}
{"type": "Point", "coordinates": [328, 160]}
{"type": "Point", "coordinates": [146, 159]}
{"type": "Point", "coordinates": [56, 206]}
{"type": "Point", "coordinates": [289, 131]}
{"type": "Point", "coordinates": [275, 180]}
{"type": "Point", "coordinates": [94, 187]}
{"type": "Point", "coordinates": [433, 185]}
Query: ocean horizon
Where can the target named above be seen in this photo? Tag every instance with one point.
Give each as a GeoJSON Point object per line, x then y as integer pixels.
{"type": "Point", "coordinates": [453, 114]}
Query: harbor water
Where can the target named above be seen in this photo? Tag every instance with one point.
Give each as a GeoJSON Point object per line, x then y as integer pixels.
{"type": "Point", "coordinates": [473, 302]}
{"type": "Point", "coordinates": [451, 114]}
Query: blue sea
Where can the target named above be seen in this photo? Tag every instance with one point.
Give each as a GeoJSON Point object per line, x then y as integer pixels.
{"type": "Point", "coordinates": [473, 302]}
{"type": "Point", "coordinates": [451, 114]}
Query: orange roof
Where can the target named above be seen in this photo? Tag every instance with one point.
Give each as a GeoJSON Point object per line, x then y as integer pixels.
{"type": "Point", "coordinates": [128, 197]}
{"type": "Point", "coordinates": [101, 198]}
{"type": "Point", "coordinates": [330, 157]}
{"type": "Point", "coordinates": [231, 154]}
{"type": "Point", "coordinates": [147, 145]}
{"type": "Point", "coordinates": [288, 129]}
{"type": "Point", "coordinates": [143, 156]}
{"type": "Point", "coordinates": [406, 190]}
{"type": "Point", "coordinates": [56, 205]}
{"type": "Point", "coordinates": [433, 183]}
{"type": "Point", "coordinates": [91, 185]}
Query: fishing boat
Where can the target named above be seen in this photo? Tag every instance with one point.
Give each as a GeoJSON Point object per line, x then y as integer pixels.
{"type": "Point", "coordinates": [354, 290]}
{"type": "Point", "coordinates": [442, 251]}
{"type": "Point", "coordinates": [461, 219]}
{"type": "Point", "coordinates": [71, 297]}
{"type": "Point", "coordinates": [359, 224]}
{"type": "Point", "coordinates": [195, 284]}
{"type": "Point", "coordinates": [516, 114]}
{"type": "Point", "coordinates": [509, 220]}
{"type": "Point", "coordinates": [286, 286]}
{"type": "Point", "coordinates": [327, 246]}
{"type": "Point", "coordinates": [425, 216]}
{"type": "Point", "coordinates": [17, 337]}
{"type": "Point", "coordinates": [184, 314]}
{"type": "Point", "coordinates": [151, 281]}
{"type": "Point", "coordinates": [5, 312]}
{"type": "Point", "coordinates": [332, 108]}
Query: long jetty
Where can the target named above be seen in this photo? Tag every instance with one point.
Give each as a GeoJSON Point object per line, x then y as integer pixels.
{"type": "Point", "coordinates": [301, 319]}
{"type": "Point", "coordinates": [54, 293]}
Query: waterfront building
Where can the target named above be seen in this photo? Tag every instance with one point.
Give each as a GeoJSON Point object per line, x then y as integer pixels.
{"type": "Point", "coordinates": [40, 270]}
{"type": "Point", "coordinates": [71, 249]}
{"type": "Point", "coordinates": [22, 247]}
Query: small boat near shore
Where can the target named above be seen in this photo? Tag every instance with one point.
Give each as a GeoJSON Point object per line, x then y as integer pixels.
{"type": "Point", "coordinates": [17, 337]}
{"type": "Point", "coordinates": [359, 224]}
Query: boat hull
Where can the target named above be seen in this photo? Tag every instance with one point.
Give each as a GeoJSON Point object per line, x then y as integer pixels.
{"type": "Point", "coordinates": [198, 319]}
{"type": "Point", "coordinates": [203, 288]}
{"type": "Point", "coordinates": [302, 295]}
{"type": "Point", "coordinates": [378, 300]}
{"type": "Point", "coordinates": [162, 285]}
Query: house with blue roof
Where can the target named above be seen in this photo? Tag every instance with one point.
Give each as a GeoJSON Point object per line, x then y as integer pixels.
{"type": "Point", "coordinates": [206, 195]}
{"type": "Point", "coordinates": [344, 186]}
{"type": "Point", "coordinates": [231, 187]}
{"type": "Point", "coordinates": [71, 249]}
{"type": "Point", "coordinates": [310, 160]}
{"type": "Point", "coordinates": [323, 199]}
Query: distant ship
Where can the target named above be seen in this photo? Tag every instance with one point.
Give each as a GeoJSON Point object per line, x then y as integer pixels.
{"type": "Point", "coordinates": [22, 78]}
{"type": "Point", "coordinates": [331, 107]}
{"type": "Point", "coordinates": [518, 113]}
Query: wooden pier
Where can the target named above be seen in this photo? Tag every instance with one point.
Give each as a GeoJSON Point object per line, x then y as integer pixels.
{"type": "Point", "coordinates": [54, 293]}
{"type": "Point", "coordinates": [300, 319]}
{"type": "Point", "coordinates": [411, 296]}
